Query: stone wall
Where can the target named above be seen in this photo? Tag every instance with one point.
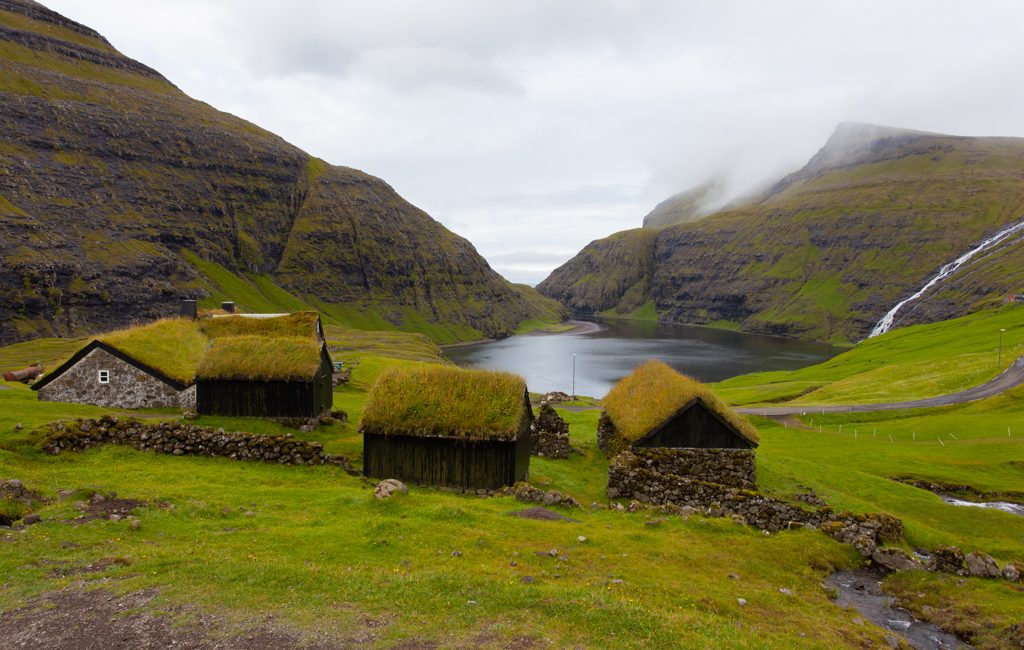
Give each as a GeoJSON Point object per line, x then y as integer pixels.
{"type": "Point", "coordinates": [631, 479]}
{"type": "Point", "coordinates": [128, 388]}
{"type": "Point", "coordinates": [729, 467]}
{"type": "Point", "coordinates": [550, 434]}
{"type": "Point", "coordinates": [183, 439]}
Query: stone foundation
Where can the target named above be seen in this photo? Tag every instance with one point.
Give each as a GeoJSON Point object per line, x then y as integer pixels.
{"type": "Point", "coordinates": [185, 440]}
{"type": "Point", "coordinates": [550, 434]}
{"type": "Point", "coordinates": [728, 467]}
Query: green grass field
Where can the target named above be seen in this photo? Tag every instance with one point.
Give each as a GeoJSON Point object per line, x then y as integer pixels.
{"type": "Point", "coordinates": [908, 363]}
{"type": "Point", "coordinates": [319, 553]}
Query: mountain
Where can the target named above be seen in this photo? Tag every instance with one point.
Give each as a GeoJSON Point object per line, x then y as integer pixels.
{"type": "Point", "coordinates": [828, 250]}
{"type": "Point", "coordinates": [120, 195]}
{"type": "Point", "coordinates": [684, 207]}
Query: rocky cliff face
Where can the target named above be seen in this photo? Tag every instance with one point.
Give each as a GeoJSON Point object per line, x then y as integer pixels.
{"type": "Point", "coordinates": [110, 177]}
{"type": "Point", "coordinates": [829, 249]}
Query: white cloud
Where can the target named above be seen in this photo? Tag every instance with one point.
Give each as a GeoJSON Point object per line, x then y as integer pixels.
{"type": "Point", "coordinates": [539, 126]}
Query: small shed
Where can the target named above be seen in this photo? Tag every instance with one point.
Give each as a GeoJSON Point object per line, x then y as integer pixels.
{"type": "Point", "coordinates": [440, 425]}
{"type": "Point", "coordinates": [264, 376]}
{"type": "Point", "coordinates": [673, 425]}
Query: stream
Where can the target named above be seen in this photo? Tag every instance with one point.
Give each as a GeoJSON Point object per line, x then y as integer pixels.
{"type": "Point", "coordinates": [1005, 506]}
{"type": "Point", "coordinates": [862, 590]}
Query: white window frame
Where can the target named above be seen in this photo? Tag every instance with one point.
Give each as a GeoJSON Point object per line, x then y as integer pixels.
{"type": "Point", "coordinates": [103, 376]}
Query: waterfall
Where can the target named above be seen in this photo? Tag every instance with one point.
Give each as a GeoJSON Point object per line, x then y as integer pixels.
{"type": "Point", "coordinates": [885, 324]}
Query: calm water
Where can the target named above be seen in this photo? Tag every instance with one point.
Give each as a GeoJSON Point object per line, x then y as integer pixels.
{"type": "Point", "coordinates": [605, 356]}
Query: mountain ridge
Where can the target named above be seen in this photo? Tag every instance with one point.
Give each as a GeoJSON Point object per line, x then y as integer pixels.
{"type": "Point", "coordinates": [827, 250]}
{"type": "Point", "coordinates": [110, 172]}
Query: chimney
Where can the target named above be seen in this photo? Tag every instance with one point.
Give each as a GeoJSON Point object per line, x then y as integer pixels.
{"type": "Point", "coordinates": [228, 306]}
{"type": "Point", "coordinates": [189, 309]}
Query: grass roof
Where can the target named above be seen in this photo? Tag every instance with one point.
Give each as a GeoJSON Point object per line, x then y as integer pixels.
{"type": "Point", "coordinates": [300, 324]}
{"type": "Point", "coordinates": [444, 401]}
{"type": "Point", "coordinates": [284, 358]}
{"type": "Point", "coordinates": [653, 393]}
{"type": "Point", "coordinates": [174, 346]}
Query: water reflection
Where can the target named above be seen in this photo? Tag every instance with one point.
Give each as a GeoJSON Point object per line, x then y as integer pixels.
{"type": "Point", "coordinates": [603, 357]}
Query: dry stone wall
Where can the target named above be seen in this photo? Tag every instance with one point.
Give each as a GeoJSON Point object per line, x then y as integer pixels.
{"type": "Point", "coordinates": [183, 439]}
{"type": "Point", "coordinates": [127, 387]}
{"type": "Point", "coordinates": [550, 434]}
{"type": "Point", "coordinates": [729, 467]}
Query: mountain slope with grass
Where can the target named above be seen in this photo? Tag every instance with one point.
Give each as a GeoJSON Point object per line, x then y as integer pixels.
{"type": "Point", "coordinates": [120, 195]}
{"type": "Point", "coordinates": [829, 249]}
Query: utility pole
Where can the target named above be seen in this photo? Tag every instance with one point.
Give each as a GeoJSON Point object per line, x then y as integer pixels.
{"type": "Point", "coordinates": [574, 375]}
{"type": "Point", "coordinates": [999, 356]}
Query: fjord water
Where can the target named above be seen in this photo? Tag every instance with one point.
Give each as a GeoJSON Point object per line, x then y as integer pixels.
{"type": "Point", "coordinates": [605, 356]}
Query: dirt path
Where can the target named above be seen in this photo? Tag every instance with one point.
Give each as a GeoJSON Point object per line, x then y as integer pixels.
{"type": "Point", "coordinates": [1009, 378]}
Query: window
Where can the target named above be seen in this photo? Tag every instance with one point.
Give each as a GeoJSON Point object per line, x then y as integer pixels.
{"type": "Point", "coordinates": [103, 376]}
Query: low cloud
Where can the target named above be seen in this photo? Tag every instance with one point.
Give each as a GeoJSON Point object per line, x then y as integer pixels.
{"type": "Point", "coordinates": [540, 126]}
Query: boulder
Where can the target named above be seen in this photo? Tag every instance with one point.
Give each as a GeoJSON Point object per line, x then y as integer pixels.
{"type": "Point", "coordinates": [1012, 572]}
{"type": "Point", "coordinates": [948, 559]}
{"type": "Point", "coordinates": [388, 488]}
{"type": "Point", "coordinates": [981, 565]}
{"type": "Point", "coordinates": [894, 559]}
{"type": "Point", "coordinates": [864, 545]}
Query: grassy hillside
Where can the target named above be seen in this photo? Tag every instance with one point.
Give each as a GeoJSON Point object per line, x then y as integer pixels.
{"type": "Point", "coordinates": [310, 553]}
{"type": "Point", "coordinates": [121, 195]}
{"type": "Point", "coordinates": [909, 363]}
{"type": "Point", "coordinates": [828, 250]}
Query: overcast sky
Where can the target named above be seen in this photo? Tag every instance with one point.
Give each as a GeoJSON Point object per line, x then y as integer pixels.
{"type": "Point", "coordinates": [533, 127]}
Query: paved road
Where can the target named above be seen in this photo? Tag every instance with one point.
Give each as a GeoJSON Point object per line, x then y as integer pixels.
{"type": "Point", "coordinates": [1011, 377]}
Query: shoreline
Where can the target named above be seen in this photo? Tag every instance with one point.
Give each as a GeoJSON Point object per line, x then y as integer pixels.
{"type": "Point", "coordinates": [578, 327]}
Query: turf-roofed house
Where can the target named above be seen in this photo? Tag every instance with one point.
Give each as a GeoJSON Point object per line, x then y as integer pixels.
{"type": "Point", "coordinates": [265, 365]}
{"type": "Point", "coordinates": [448, 426]}
{"type": "Point", "coordinates": [670, 439]}
{"type": "Point", "coordinates": [152, 366]}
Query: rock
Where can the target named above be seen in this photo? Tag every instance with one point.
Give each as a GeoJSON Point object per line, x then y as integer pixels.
{"type": "Point", "coordinates": [30, 519]}
{"type": "Point", "coordinates": [527, 580]}
{"type": "Point", "coordinates": [248, 513]}
{"type": "Point", "coordinates": [388, 488]}
{"type": "Point", "coordinates": [741, 601]}
{"type": "Point", "coordinates": [864, 545]}
{"type": "Point", "coordinates": [687, 511]}
{"type": "Point", "coordinates": [981, 565]}
{"type": "Point", "coordinates": [582, 539]}
{"type": "Point", "coordinates": [894, 559]}
{"type": "Point", "coordinates": [456, 553]}
{"type": "Point", "coordinates": [136, 524]}
{"type": "Point", "coordinates": [947, 559]}
{"type": "Point", "coordinates": [1012, 572]}
{"type": "Point", "coordinates": [19, 426]}
{"type": "Point", "coordinates": [552, 498]}
{"type": "Point", "coordinates": [785, 592]}
{"type": "Point", "coordinates": [115, 517]}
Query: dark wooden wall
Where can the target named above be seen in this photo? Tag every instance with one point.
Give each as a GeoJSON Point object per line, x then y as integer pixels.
{"type": "Point", "coordinates": [695, 426]}
{"type": "Point", "coordinates": [486, 464]}
{"type": "Point", "coordinates": [267, 399]}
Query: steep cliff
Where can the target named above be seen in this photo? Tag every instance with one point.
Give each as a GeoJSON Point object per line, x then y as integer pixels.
{"type": "Point", "coordinates": [119, 194]}
{"type": "Point", "coordinates": [830, 248]}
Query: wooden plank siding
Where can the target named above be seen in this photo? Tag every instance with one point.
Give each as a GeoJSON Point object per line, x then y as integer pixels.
{"type": "Point", "coordinates": [480, 464]}
{"type": "Point", "coordinates": [267, 399]}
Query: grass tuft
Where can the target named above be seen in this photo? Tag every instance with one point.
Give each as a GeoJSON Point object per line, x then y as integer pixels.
{"type": "Point", "coordinates": [260, 357]}
{"type": "Point", "coordinates": [442, 401]}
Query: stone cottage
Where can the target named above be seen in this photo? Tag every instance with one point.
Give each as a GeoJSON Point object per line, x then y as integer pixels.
{"type": "Point", "coordinates": [669, 439]}
{"type": "Point", "coordinates": [103, 375]}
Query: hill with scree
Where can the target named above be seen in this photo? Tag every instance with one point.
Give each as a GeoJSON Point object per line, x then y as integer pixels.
{"type": "Point", "coordinates": [120, 195]}
{"type": "Point", "coordinates": [829, 249]}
